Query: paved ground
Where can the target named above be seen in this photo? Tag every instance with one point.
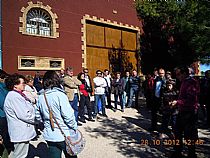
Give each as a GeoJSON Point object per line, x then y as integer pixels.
{"type": "Point", "coordinates": [123, 135]}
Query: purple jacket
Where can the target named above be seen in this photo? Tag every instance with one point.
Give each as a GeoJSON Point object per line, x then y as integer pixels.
{"type": "Point", "coordinates": [188, 97]}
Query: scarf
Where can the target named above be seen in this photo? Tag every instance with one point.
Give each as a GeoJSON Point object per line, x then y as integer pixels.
{"type": "Point", "coordinates": [23, 95]}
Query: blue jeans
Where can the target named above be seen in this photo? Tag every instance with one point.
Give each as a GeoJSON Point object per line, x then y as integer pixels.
{"type": "Point", "coordinates": [133, 91]}
{"type": "Point", "coordinates": [103, 103]}
{"type": "Point", "coordinates": [74, 105]}
{"type": "Point", "coordinates": [124, 98]}
{"type": "Point", "coordinates": [99, 105]}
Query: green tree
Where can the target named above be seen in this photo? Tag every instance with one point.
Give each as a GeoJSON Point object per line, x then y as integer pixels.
{"type": "Point", "coordinates": [175, 32]}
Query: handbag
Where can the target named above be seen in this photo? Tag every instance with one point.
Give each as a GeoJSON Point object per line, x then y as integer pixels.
{"type": "Point", "coordinates": [75, 143]}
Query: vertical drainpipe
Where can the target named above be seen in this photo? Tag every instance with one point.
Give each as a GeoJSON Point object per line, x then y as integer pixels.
{"type": "Point", "coordinates": [0, 34]}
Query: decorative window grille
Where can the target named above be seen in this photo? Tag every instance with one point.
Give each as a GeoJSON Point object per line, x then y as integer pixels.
{"type": "Point", "coordinates": [27, 62]}
{"type": "Point", "coordinates": [40, 63]}
{"type": "Point", "coordinates": [38, 22]}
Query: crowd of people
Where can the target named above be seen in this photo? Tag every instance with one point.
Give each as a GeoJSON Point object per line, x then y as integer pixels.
{"type": "Point", "coordinates": [23, 108]}
{"type": "Point", "coordinates": [177, 101]}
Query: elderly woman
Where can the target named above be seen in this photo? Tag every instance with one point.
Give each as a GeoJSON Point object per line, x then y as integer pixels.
{"type": "Point", "coordinates": [30, 91]}
{"type": "Point", "coordinates": [20, 115]}
{"type": "Point", "coordinates": [60, 107]}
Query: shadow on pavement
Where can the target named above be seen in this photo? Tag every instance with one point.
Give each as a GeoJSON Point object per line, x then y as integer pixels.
{"type": "Point", "coordinates": [131, 137]}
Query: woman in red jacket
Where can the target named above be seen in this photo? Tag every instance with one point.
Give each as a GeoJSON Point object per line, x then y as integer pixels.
{"type": "Point", "coordinates": [84, 99]}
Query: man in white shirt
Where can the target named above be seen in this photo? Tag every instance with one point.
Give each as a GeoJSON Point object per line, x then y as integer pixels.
{"type": "Point", "coordinates": [99, 85]}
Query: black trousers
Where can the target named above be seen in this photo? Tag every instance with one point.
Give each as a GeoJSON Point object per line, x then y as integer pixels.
{"type": "Point", "coordinates": [108, 97]}
{"type": "Point", "coordinates": [186, 124]}
{"type": "Point", "coordinates": [85, 101]}
{"type": "Point", "coordinates": [208, 114]}
{"type": "Point", "coordinates": [154, 109]}
{"type": "Point", "coordinates": [5, 135]}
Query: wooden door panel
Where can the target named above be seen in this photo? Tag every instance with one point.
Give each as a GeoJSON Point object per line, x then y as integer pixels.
{"type": "Point", "coordinates": [97, 59]}
{"type": "Point", "coordinates": [94, 35]}
{"type": "Point", "coordinates": [132, 60]}
{"type": "Point", "coordinates": [129, 40]}
{"type": "Point", "coordinates": [112, 37]}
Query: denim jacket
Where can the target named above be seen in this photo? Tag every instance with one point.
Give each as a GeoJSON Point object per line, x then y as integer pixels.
{"type": "Point", "coordinates": [62, 110]}
{"type": "Point", "coordinates": [134, 82]}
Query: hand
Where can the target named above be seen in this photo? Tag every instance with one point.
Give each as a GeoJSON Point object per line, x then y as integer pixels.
{"type": "Point", "coordinates": [1, 140]}
{"type": "Point", "coordinates": [173, 103]}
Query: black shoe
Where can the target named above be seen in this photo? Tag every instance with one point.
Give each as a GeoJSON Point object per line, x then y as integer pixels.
{"type": "Point", "coordinates": [91, 119]}
{"type": "Point", "coordinates": [122, 110]}
{"type": "Point", "coordinates": [82, 120]}
{"type": "Point", "coordinates": [104, 115]}
{"type": "Point", "coordinates": [79, 124]}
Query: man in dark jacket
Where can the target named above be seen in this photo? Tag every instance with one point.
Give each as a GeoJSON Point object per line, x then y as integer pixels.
{"type": "Point", "coordinates": [134, 83]}
{"type": "Point", "coordinates": [88, 81]}
{"type": "Point", "coordinates": [117, 84]}
{"type": "Point", "coordinates": [126, 89]}
{"type": "Point", "coordinates": [159, 85]}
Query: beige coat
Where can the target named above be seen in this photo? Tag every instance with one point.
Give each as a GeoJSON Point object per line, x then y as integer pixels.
{"type": "Point", "coordinates": [71, 84]}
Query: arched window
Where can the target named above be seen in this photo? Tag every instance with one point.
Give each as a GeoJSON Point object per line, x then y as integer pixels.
{"type": "Point", "coordinates": [39, 22]}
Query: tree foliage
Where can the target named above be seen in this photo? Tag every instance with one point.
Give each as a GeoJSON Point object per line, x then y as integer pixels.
{"type": "Point", "coordinates": [176, 32]}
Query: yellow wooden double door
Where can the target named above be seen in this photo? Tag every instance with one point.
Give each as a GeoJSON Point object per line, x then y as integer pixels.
{"type": "Point", "coordinates": [111, 48]}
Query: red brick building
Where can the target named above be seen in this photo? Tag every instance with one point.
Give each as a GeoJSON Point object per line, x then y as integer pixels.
{"type": "Point", "coordinates": [46, 34]}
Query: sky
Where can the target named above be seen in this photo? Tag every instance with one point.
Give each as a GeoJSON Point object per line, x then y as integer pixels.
{"type": "Point", "coordinates": [204, 67]}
